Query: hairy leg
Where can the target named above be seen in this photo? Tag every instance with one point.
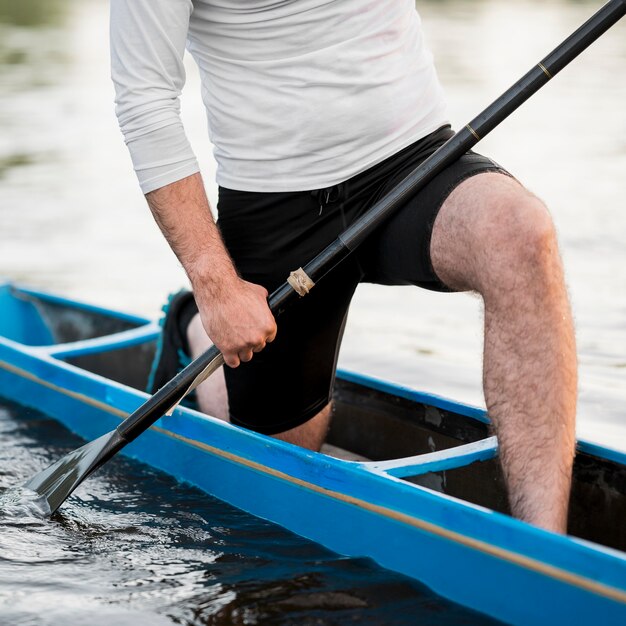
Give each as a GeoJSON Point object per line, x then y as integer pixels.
{"type": "Point", "coordinates": [213, 398]}
{"type": "Point", "coordinates": [494, 237]}
{"type": "Point", "coordinates": [311, 434]}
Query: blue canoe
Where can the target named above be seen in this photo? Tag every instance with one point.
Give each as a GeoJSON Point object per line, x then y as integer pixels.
{"type": "Point", "coordinates": [430, 503]}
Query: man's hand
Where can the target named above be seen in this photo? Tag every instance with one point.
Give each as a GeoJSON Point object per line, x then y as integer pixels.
{"type": "Point", "coordinates": [236, 317]}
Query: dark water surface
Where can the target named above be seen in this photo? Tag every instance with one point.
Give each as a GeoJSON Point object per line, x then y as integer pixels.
{"type": "Point", "coordinates": [135, 547]}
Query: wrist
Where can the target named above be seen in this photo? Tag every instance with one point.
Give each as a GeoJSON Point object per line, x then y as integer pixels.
{"type": "Point", "coordinates": [214, 278]}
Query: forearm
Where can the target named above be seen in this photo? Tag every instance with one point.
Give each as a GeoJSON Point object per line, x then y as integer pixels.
{"type": "Point", "coordinates": [181, 209]}
{"type": "Point", "coordinates": [234, 312]}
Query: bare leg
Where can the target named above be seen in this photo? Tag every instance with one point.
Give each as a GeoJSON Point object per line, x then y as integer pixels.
{"type": "Point", "coordinates": [494, 237]}
{"type": "Point", "coordinates": [213, 398]}
{"type": "Point", "coordinates": [311, 434]}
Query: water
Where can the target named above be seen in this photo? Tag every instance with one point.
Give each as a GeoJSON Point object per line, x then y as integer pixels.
{"type": "Point", "coordinates": [134, 547]}
{"type": "Point", "coordinates": [72, 220]}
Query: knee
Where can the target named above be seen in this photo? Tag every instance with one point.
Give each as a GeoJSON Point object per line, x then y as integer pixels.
{"type": "Point", "coordinates": [524, 237]}
{"type": "Point", "coordinates": [522, 246]}
{"type": "Point", "coordinates": [493, 237]}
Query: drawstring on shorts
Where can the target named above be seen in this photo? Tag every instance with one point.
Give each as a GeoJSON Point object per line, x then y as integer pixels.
{"type": "Point", "coordinates": [330, 195]}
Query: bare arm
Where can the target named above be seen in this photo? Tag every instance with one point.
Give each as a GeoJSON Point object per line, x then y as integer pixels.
{"type": "Point", "coordinates": [234, 312]}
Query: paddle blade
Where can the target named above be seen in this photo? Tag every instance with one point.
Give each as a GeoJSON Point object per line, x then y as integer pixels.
{"type": "Point", "coordinates": [57, 482]}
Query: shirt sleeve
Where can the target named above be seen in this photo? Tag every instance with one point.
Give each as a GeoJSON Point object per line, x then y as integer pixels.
{"type": "Point", "coordinates": [148, 40]}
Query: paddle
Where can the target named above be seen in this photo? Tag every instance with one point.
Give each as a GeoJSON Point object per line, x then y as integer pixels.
{"type": "Point", "coordinates": [58, 481]}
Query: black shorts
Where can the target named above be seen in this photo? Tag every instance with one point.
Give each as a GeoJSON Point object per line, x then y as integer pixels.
{"type": "Point", "coordinates": [270, 234]}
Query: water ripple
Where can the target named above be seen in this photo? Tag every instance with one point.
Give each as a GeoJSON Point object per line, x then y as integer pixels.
{"type": "Point", "coordinates": [170, 554]}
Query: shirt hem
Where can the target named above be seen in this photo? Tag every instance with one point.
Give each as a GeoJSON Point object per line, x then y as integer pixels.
{"type": "Point", "coordinates": [267, 185]}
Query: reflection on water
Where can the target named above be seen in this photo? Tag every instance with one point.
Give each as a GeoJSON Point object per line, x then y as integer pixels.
{"type": "Point", "coordinates": [33, 13]}
{"type": "Point", "coordinates": [32, 55]}
{"type": "Point", "coordinates": [30, 40]}
{"type": "Point", "coordinates": [133, 547]}
{"type": "Point", "coordinates": [19, 502]}
{"type": "Point", "coordinates": [15, 160]}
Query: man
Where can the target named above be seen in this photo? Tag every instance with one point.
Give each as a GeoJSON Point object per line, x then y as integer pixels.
{"type": "Point", "coordinates": [316, 109]}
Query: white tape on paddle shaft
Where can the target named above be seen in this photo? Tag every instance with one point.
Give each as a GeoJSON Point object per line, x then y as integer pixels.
{"type": "Point", "coordinates": [216, 363]}
{"type": "Point", "coordinates": [300, 282]}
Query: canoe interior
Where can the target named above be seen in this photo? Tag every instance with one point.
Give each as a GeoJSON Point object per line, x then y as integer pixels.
{"type": "Point", "coordinates": [375, 424]}
{"type": "Point", "coordinates": [129, 365]}
{"type": "Point", "coordinates": [597, 501]}
{"type": "Point", "coordinates": [367, 422]}
{"type": "Point", "coordinates": [39, 321]}
{"type": "Point", "coordinates": [382, 426]}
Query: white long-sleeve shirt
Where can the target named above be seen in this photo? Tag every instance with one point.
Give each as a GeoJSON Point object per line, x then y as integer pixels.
{"type": "Point", "coordinates": [300, 94]}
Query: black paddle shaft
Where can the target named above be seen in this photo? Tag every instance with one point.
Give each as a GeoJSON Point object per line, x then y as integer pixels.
{"type": "Point", "coordinates": [348, 241]}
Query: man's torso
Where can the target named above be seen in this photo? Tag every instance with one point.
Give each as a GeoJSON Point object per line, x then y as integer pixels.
{"type": "Point", "coordinates": [302, 94]}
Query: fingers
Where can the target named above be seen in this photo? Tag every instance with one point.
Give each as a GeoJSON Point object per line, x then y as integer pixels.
{"type": "Point", "coordinates": [234, 359]}
{"type": "Point", "coordinates": [231, 360]}
{"type": "Point", "coordinates": [272, 334]}
{"type": "Point", "coordinates": [242, 324]}
{"type": "Point", "coordinates": [246, 356]}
